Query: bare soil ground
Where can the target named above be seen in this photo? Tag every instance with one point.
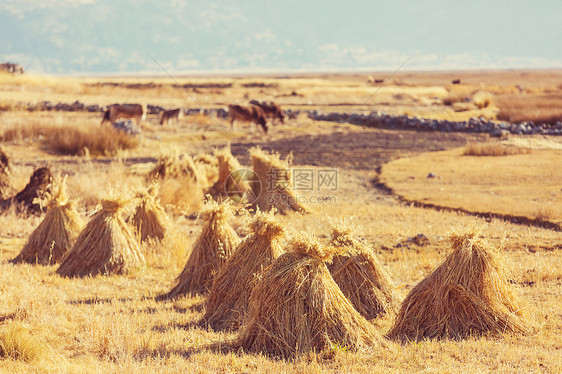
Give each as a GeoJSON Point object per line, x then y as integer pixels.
{"type": "Point", "coordinates": [115, 324]}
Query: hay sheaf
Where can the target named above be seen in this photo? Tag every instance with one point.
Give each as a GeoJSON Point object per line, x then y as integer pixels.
{"type": "Point", "coordinates": [215, 245]}
{"type": "Point", "coordinates": [54, 236]}
{"type": "Point", "coordinates": [467, 294]}
{"type": "Point", "coordinates": [106, 246]}
{"type": "Point", "coordinates": [360, 276]}
{"type": "Point", "coordinates": [231, 181]}
{"type": "Point", "coordinates": [182, 181]}
{"type": "Point", "coordinates": [272, 186]}
{"type": "Point", "coordinates": [5, 175]}
{"type": "Point", "coordinates": [38, 185]}
{"type": "Point", "coordinates": [297, 308]}
{"type": "Point", "coordinates": [149, 218]}
{"type": "Point", "coordinates": [228, 299]}
{"type": "Point", "coordinates": [176, 166]}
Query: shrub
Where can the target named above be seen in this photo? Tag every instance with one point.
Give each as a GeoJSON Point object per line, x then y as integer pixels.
{"type": "Point", "coordinates": [18, 343]}
{"type": "Point", "coordinates": [492, 149]}
{"type": "Point", "coordinates": [74, 141]}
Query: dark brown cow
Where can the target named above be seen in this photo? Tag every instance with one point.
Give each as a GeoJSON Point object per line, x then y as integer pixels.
{"type": "Point", "coordinates": [11, 68]}
{"type": "Point", "coordinates": [173, 114]}
{"type": "Point", "coordinates": [456, 81]}
{"type": "Point", "coordinates": [137, 112]}
{"type": "Point", "coordinates": [271, 110]}
{"type": "Point", "coordinates": [251, 113]}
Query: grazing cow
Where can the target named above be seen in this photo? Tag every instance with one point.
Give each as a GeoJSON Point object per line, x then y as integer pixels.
{"type": "Point", "coordinates": [137, 112]}
{"type": "Point", "coordinates": [456, 81]}
{"type": "Point", "coordinates": [173, 114]}
{"type": "Point", "coordinates": [11, 68]}
{"type": "Point", "coordinates": [271, 110]}
{"type": "Point", "coordinates": [251, 113]}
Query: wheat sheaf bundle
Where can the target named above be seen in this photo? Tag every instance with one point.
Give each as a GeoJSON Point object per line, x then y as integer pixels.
{"type": "Point", "coordinates": [360, 276]}
{"type": "Point", "coordinates": [273, 184]}
{"type": "Point", "coordinates": [106, 246]}
{"type": "Point", "coordinates": [5, 175]}
{"type": "Point", "coordinates": [228, 299]}
{"type": "Point", "coordinates": [56, 233]}
{"type": "Point", "coordinates": [213, 247]}
{"type": "Point", "coordinates": [467, 294]}
{"type": "Point", "coordinates": [297, 308]}
{"type": "Point", "coordinates": [149, 218]}
{"type": "Point", "coordinates": [231, 181]}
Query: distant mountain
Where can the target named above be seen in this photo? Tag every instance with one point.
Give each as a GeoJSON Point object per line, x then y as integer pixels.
{"type": "Point", "coordinates": [107, 36]}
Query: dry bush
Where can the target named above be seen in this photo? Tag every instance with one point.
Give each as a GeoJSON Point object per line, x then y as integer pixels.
{"type": "Point", "coordinates": [539, 108]}
{"type": "Point", "coordinates": [482, 99]}
{"type": "Point", "coordinates": [74, 141]}
{"type": "Point", "coordinates": [493, 149]}
{"type": "Point", "coordinates": [456, 95]}
{"type": "Point", "coordinates": [465, 98]}
{"type": "Point", "coordinates": [27, 130]}
{"type": "Point", "coordinates": [17, 342]}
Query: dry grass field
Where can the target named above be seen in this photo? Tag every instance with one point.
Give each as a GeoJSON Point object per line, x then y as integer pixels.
{"type": "Point", "coordinates": [119, 323]}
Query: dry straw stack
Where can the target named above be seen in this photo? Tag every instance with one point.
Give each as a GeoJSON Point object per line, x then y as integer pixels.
{"type": "Point", "coordinates": [228, 299]}
{"type": "Point", "coordinates": [360, 276]}
{"type": "Point", "coordinates": [182, 181]}
{"type": "Point", "coordinates": [231, 180]}
{"type": "Point", "coordinates": [5, 175]}
{"type": "Point", "coordinates": [176, 166]}
{"type": "Point", "coordinates": [273, 187]}
{"type": "Point", "coordinates": [25, 200]}
{"type": "Point", "coordinates": [56, 233]}
{"type": "Point", "coordinates": [106, 246]}
{"type": "Point", "coordinates": [217, 242]}
{"type": "Point", "coordinates": [297, 308]}
{"type": "Point", "coordinates": [150, 219]}
{"type": "Point", "coordinates": [467, 294]}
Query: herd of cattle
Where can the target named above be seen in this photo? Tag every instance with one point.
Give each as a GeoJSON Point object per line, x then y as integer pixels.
{"type": "Point", "coordinates": [256, 112]}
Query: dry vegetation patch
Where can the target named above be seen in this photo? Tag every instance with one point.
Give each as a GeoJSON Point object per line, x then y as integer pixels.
{"type": "Point", "coordinates": [493, 149]}
{"type": "Point", "coordinates": [518, 185]}
{"type": "Point", "coordinates": [78, 140]}
{"type": "Point", "coordinates": [114, 323]}
{"type": "Point", "coordinates": [539, 108]}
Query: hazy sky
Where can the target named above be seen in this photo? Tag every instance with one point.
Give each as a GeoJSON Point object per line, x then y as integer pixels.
{"type": "Point", "coordinates": [110, 36]}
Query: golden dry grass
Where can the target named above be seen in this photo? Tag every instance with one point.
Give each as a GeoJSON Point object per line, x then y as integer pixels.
{"type": "Point", "coordinates": [517, 185]}
{"type": "Point", "coordinates": [77, 139]}
{"type": "Point", "coordinates": [493, 149]}
{"type": "Point", "coordinates": [539, 108]}
{"type": "Point", "coordinates": [114, 323]}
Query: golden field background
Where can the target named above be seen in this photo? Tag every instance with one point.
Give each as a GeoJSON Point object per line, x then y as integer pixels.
{"type": "Point", "coordinates": [114, 323]}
